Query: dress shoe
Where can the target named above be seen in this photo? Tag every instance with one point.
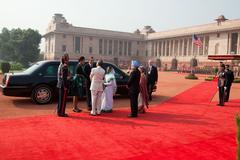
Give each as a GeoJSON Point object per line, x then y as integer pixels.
{"type": "Point", "coordinates": [92, 114]}
{"type": "Point", "coordinates": [132, 116]}
{"type": "Point", "coordinates": [77, 110]}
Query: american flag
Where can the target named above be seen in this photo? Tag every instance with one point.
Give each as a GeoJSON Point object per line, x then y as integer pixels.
{"type": "Point", "coordinates": [197, 41]}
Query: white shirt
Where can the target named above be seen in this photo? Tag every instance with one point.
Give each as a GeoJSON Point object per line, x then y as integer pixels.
{"type": "Point", "coordinates": [97, 76]}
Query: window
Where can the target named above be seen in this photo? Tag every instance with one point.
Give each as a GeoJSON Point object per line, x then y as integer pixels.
{"type": "Point", "coordinates": [218, 35]}
{"type": "Point", "coordinates": [120, 47]}
{"type": "Point", "coordinates": [201, 48]}
{"type": "Point", "coordinates": [64, 48]}
{"type": "Point", "coordinates": [190, 47]}
{"type": "Point", "coordinates": [77, 44]}
{"type": "Point", "coordinates": [180, 47]}
{"type": "Point", "coordinates": [100, 46]}
{"type": "Point", "coordinates": [115, 47]}
{"type": "Point", "coordinates": [167, 45]}
{"type": "Point", "coordinates": [90, 50]}
{"type": "Point", "coordinates": [152, 50]}
{"type": "Point", "coordinates": [206, 45]}
{"type": "Point", "coordinates": [90, 38]}
{"type": "Point", "coordinates": [185, 47]}
{"type": "Point", "coordinates": [146, 53]}
{"type": "Point", "coordinates": [64, 36]}
{"type": "Point", "coordinates": [163, 53]}
{"type": "Point", "coordinates": [129, 48]}
{"type": "Point", "coordinates": [125, 48]}
{"type": "Point", "coordinates": [51, 70]}
{"type": "Point", "coordinates": [110, 47]}
{"type": "Point", "coordinates": [234, 40]}
{"type": "Point", "coordinates": [105, 46]}
{"type": "Point", "coordinates": [137, 52]}
{"type": "Point", "coordinates": [176, 47]}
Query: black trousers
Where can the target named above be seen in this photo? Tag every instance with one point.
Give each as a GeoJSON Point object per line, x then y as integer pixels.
{"type": "Point", "coordinates": [62, 100]}
{"type": "Point", "coordinates": [221, 95]}
{"type": "Point", "coordinates": [227, 93]}
{"type": "Point", "coordinates": [150, 90]}
{"type": "Point", "coordinates": [134, 103]}
{"type": "Point", "coordinates": [88, 94]}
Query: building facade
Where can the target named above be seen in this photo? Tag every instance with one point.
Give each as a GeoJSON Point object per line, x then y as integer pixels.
{"type": "Point", "coordinates": [219, 38]}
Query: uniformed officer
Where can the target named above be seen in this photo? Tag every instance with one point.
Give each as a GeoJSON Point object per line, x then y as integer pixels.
{"type": "Point", "coordinates": [63, 85]}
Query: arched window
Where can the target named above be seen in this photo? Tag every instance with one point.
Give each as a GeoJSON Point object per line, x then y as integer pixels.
{"type": "Point", "coordinates": [216, 49]}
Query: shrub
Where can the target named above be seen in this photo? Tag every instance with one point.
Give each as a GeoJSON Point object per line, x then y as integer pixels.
{"type": "Point", "coordinates": [210, 78]}
{"type": "Point", "coordinates": [5, 67]}
{"type": "Point", "coordinates": [236, 80]}
{"type": "Point", "coordinates": [238, 137]}
{"type": "Point", "coordinates": [16, 66]}
{"type": "Point", "coordinates": [191, 76]}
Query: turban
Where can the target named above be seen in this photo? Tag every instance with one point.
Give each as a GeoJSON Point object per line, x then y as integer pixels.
{"type": "Point", "coordinates": [135, 63]}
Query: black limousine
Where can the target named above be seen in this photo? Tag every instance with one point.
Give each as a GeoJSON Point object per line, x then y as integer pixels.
{"type": "Point", "coordinates": [39, 81]}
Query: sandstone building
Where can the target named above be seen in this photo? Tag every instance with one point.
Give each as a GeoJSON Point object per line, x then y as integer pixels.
{"type": "Point", "coordinates": [219, 38]}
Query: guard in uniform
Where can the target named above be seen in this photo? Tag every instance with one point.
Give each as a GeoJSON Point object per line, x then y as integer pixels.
{"type": "Point", "coordinates": [63, 85]}
{"type": "Point", "coordinates": [229, 81]}
{"type": "Point", "coordinates": [221, 84]}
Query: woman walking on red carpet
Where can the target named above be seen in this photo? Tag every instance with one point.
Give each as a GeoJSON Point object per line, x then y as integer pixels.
{"type": "Point", "coordinates": [63, 85]}
{"type": "Point", "coordinates": [143, 95]}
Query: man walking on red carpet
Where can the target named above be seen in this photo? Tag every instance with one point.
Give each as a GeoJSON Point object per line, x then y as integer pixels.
{"type": "Point", "coordinates": [134, 88]}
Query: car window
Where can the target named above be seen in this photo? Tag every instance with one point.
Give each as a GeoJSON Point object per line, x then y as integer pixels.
{"type": "Point", "coordinates": [72, 68]}
{"type": "Point", "coordinates": [118, 74]}
{"type": "Point", "coordinates": [51, 70]}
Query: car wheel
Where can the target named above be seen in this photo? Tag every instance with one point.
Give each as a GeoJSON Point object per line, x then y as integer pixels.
{"type": "Point", "coordinates": [42, 94]}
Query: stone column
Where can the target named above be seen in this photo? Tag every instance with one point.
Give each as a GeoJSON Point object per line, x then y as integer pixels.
{"type": "Point", "coordinates": [173, 48]}
{"type": "Point", "coordinates": [203, 46]}
{"type": "Point", "coordinates": [238, 48]}
{"type": "Point", "coordinates": [187, 50]}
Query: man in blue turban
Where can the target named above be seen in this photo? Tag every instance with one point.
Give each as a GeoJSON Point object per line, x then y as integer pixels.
{"type": "Point", "coordinates": [134, 88]}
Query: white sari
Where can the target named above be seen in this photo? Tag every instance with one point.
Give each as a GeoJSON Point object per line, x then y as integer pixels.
{"type": "Point", "coordinates": [109, 91]}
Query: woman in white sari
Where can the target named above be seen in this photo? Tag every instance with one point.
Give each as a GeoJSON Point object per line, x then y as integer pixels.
{"type": "Point", "coordinates": [109, 91]}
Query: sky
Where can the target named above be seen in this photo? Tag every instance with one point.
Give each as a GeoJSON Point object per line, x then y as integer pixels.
{"type": "Point", "coordinates": [119, 15]}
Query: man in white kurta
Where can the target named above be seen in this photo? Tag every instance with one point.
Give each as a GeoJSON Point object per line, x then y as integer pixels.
{"type": "Point", "coordinates": [97, 76]}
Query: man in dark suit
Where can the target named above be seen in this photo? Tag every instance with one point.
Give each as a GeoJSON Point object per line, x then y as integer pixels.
{"type": "Point", "coordinates": [87, 69]}
{"type": "Point", "coordinates": [134, 88]}
{"type": "Point", "coordinates": [229, 80]}
{"type": "Point", "coordinates": [152, 78]}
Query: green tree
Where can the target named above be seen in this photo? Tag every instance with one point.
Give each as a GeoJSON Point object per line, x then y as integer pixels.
{"type": "Point", "coordinates": [20, 45]}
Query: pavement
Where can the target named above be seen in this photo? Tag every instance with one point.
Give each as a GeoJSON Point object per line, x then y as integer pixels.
{"type": "Point", "coordinates": [169, 85]}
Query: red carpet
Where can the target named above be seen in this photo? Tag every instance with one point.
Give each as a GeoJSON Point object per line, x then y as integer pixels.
{"type": "Point", "coordinates": [187, 127]}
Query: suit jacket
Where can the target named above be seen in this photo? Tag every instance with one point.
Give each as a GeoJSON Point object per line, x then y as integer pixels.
{"type": "Point", "coordinates": [133, 82]}
{"type": "Point", "coordinates": [97, 78]}
{"type": "Point", "coordinates": [229, 78]}
{"type": "Point", "coordinates": [152, 75]}
{"type": "Point", "coordinates": [87, 70]}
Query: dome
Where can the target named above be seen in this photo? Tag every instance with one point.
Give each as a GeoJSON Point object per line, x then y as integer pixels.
{"type": "Point", "coordinates": [221, 18]}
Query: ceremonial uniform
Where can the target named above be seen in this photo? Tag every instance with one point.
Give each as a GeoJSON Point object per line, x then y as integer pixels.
{"type": "Point", "coordinates": [221, 87]}
{"type": "Point", "coordinates": [229, 81]}
{"type": "Point", "coordinates": [63, 85]}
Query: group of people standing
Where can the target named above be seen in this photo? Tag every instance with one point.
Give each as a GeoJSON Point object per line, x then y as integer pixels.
{"type": "Point", "coordinates": [225, 80]}
{"type": "Point", "coordinates": [100, 86]}
{"type": "Point", "coordinates": [141, 84]}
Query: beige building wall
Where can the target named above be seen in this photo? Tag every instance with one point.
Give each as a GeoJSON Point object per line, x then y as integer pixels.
{"type": "Point", "coordinates": [142, 45]}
